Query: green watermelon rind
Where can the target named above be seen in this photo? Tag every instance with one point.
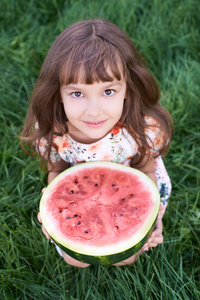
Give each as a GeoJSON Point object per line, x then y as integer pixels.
{"type": "Point", "coordinates": [102, 255]}
{"type": "Point", "coordinates": [107, 259]}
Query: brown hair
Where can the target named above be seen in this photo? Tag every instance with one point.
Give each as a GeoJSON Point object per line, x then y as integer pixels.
{"type": "Point", "coordinates": [93, 45]}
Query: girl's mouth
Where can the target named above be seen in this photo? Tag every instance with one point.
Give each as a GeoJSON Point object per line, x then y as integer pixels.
{"type": "Point", "coordinates": [95, 124]}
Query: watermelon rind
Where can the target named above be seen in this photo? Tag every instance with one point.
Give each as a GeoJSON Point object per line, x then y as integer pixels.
{"type": "Point", "coordinates": [107, 259]}
{"type": "Point", "coordinates": [109, 254]}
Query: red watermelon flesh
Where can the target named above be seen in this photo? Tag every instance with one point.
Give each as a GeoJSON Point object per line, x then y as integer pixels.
{"type": "Point", "coordinates": [98, 207]}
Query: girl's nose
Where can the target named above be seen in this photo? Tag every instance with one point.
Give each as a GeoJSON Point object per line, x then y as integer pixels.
{"type": "Point", "coordinates": [93, 108]}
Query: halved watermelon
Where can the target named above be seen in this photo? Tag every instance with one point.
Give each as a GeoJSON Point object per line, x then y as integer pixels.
{"type": "Point", "coordinates": [100, 212]}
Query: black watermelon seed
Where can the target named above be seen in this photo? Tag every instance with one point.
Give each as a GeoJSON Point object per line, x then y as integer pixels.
{"type": "Point", "coordinates": [79, 223]}
{"type": "Point", "coordinates": [76, 181]}
{"type": "Point", "coordinates": [121, 215]}
{"type": "Point", "coordinates": [132, 195]}
{"type": "Point", "coordinates": [113, 184]}
{"type": "Point", "coordinates": [115, 215]}
{"type": "Point", "coordinates": [123, 199]}
{"type": "Point", "coordinates": [60, 211]}
{"type": "Point", "coordinates": [86, 231]}
{"type": "Point", "coordinates": [68, 218]}
{"type": "Point", "coordinates": [117, 227]}
{"type": "Point", "coordinates": [96, 184]}
{"type": "Point", "coordinates": [75, 216]}
{"type": "Point", "coordinates": [85, 177]}
{"type": "Point", "coordinates": [71, 192]}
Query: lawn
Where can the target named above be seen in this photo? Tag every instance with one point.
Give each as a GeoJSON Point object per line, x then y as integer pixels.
{"type": "Point", "coordinates": [167, 33]}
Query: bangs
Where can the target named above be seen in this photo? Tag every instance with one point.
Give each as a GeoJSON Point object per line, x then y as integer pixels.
{"type": "Point", "coordinates": [93, 61]}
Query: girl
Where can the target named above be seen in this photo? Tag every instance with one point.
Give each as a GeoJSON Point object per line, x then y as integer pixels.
{"type": "Point", "coordinates": [94, 101]}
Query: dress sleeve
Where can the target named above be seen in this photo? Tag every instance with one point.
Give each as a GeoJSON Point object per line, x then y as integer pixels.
{"type": "Point", "coordinates": [155, 135]}
{"type": "Point", "coordinates": [41, 147]}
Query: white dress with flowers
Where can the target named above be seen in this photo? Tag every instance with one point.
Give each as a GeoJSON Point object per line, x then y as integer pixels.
{"type": "Point", "coordinates": [117, 146]}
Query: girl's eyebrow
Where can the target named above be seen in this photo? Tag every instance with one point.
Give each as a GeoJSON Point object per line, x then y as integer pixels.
{"type": "Point", "coordinates": [106, 86]}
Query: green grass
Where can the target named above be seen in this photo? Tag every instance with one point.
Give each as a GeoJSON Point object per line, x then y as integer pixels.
{"type": "Point", "coordinates": [167, 34]}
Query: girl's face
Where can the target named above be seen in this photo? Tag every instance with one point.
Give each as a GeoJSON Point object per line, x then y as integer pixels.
{"type": "Point", "coordinates": [93, 109]}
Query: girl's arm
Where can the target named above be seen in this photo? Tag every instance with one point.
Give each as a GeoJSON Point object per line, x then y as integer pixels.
{"type": "Point", "coordinates": [156, 236]}
{"type": "Point", "coordinates": [56, 168]}
{"type": "Point", "coordinates": [148, 168]}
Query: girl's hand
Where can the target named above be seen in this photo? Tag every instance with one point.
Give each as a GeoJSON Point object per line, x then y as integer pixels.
{"type": "Point", "coordinates": [156, 236]}
{"type": "Point", "coordinates": [43, 229]}
{"type": "Point", "coordinates": [39, 219]}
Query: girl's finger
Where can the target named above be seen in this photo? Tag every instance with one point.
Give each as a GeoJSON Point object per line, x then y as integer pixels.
{"type": "Point", "coordinates": [39, 218]}
{"type": "Point", "coordinates": [45, 232]}
{"type": "Point", "coordinates": [43, 190]}
{"type": "Point", "coordinates": [145, 249]}
{"type": "Point", "coordinates": [145, 245]}
{"type": "Point", "coordinates": [156, 233]}
{"type": "Point", "coordinates": [153, 245]}
{"type": "Point", "coordinates": [43, 229]}
{"type": "Point", "coordinates": [156, 240]}
{"type": "Point", "coordinates": [158, 228]}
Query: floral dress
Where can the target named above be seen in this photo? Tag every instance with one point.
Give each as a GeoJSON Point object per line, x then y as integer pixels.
{"type": "Point", "coordinates": [117, 146]}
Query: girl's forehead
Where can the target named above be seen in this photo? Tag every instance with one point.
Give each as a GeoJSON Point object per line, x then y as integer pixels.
{"type": "Point", "coordinates": [87, 74]}
{"type": "Point", "coordinates": [108, 71]}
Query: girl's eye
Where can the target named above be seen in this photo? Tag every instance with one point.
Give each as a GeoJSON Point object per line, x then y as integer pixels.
{"type": "Point", "coordinates": [109, 92]}
{"type": "Point", "coordinates": [77, 94]}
